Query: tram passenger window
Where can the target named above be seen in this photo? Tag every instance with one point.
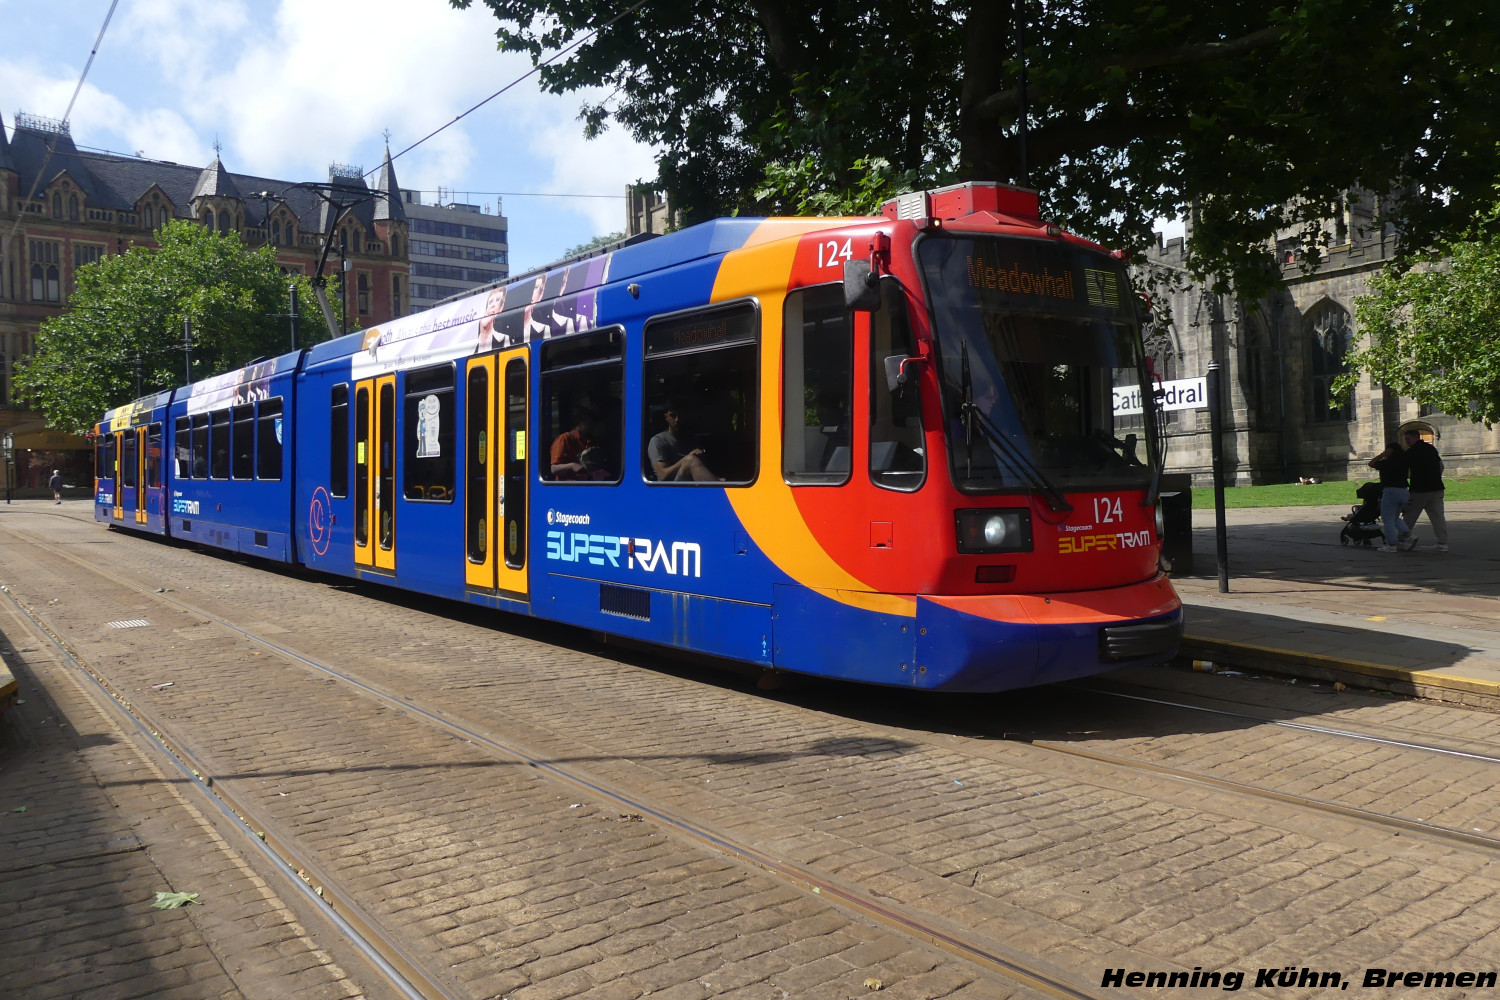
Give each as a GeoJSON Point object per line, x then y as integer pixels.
{"type": "Point", "coordinates": [268, 431]}
{"type": "Point", "coordinates": [338, 442]}
{"type": "Point", "coordinates": [153, 457]}
{"type": "Point", "coordinates": [183, 448]}
{"type": "Point", "coordinates": [583, 406]}
{"type": "Point", "coordinates": [244, 442]}
{"type": "Point", "coordinates": [106, 452]}
{"type": "Point", "coordinates": [200, 446]}
{"type": "Point", "coordinates": [702, 412]}
{"type": "Point", "coordinates": [898, 459]}
{"type": "Point", "coordinates": [218, 443]}
{"type": "Point", "coordinates": [128, 460]}
{"type": "Point", "coordinates": [817, 387]}
{"type": "Point", "coordinates": [430, 434]}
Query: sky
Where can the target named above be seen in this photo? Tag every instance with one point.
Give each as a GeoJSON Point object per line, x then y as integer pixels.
{"type": "Point", "coordinates": [289, 86]}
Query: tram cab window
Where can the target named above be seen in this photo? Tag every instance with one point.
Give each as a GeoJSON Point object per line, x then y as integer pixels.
{"type": "Point", "coordinates": [701, 396]}
{"type": "Point", "coordinates": [583, 406]}
{"type": "Point", "coordinates": [200, 446]}
{"type": "Point", "coordinates": [244, 441]}
{"type": "Point", "coordinates": [817, 387]}
{"type": "Point", "coordinates": [430, 434]}
{"type": "Point", "coordinates": [268, 431]}
{"type": "Point", "coordinates": [153, 457]}
{"type": "Point", "coordinates": [218, 444]}
{"type": "Point", "coordinates": [338, 442]}
{"type": "Point", "coordinates": [898, 459]}
{"type": "Point", "coordinates": [107, 457]}
{"type": "Point", "coordinates": [182, 447]}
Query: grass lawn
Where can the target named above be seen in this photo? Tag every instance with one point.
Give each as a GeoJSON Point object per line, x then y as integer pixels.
{"type": "Point", "coordinates": [1295, 495]}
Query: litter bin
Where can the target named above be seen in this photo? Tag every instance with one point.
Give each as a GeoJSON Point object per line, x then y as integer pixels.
{"type": "Point", "coordinates": [1176, 499]}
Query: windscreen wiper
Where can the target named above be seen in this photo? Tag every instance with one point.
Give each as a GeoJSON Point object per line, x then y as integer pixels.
{"type": "Point", "coordinates": [975, 420]}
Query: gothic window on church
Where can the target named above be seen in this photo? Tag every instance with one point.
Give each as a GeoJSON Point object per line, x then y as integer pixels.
{"type": "Point", "coordinates": [1329, 334]}
{"type": "Point", "coordinates": [149, 218]}
{"type": "Point", "coordinates": [363, 284]}
{"type": "Point", "coordinates": [356, 242]}
{"type": "Point", "coordinates": [208, 219]}
{"type": "Point", "coordinates": [395, 296]}
{"type": "Point", "coordinates": [72, 208]}
{"type": "Point", "coordinates": [57, 206]}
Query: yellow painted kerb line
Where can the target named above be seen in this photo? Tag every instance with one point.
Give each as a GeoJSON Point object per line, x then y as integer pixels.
{"type": "Point", "coordinates": [1433, 678]}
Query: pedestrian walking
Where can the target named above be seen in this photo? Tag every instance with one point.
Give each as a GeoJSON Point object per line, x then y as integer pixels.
{"type": "Point", "coordinates": [1394, 494]}
{"type": "Point", "coordinates": [56, 482]}
{"type": "Point", "coordinates": [1426, 468]}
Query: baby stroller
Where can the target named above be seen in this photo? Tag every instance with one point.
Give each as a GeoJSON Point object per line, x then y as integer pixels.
{"type": "Point", "coordinates": [1362, 523]}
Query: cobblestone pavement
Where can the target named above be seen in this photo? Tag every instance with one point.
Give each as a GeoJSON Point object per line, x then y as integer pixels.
{"type": "Point", "coordinates": [91, 829]}
{"type": "Point", "coordinates": [499, 874]}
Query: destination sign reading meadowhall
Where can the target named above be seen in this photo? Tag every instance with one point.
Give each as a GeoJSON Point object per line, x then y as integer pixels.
{"type": "Point", "coordinates": [1181, 394]}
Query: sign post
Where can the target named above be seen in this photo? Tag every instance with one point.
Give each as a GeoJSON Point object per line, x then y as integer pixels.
{"type": "Point", "coordinates": [1216, 431]}
{"type": "Point", "coordinates": [8, 447]}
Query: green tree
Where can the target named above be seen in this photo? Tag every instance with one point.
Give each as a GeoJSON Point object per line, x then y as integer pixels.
{"type": "Point", "coordinates": [1430, 332]}
{"type": "Point", "coordinates": [1250, 118]}
{"type": "Point", "coordinates": [594, 244]}
{"type": "Point", "coordinates": [122, 334]}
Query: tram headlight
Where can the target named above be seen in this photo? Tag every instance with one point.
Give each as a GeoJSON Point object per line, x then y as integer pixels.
{"type": "Point", "coordinates": [1161, 521]}
{"type": "Point", "coordinates": [992, 530]}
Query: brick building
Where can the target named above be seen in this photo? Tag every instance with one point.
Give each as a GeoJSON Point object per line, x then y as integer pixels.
{"type": "Point", "coordinates": [1278, 358]}
{"type": "Point", "coordinates": [87, 204]}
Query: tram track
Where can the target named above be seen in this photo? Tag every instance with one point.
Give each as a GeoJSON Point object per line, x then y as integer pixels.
{"type": "Point", "coordinates": [873, 906]}
{"type": "Point", "coordinates": [383, 946]}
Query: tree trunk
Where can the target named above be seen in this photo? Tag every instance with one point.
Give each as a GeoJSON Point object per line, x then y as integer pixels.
{"type": "Point", "coordinates": [988, 45]}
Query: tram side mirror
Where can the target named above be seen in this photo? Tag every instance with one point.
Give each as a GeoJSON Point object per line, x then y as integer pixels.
{"type": "Point", "coordinates": [861, 287]}
{"type": "Point", "coordinates": [896, 375]}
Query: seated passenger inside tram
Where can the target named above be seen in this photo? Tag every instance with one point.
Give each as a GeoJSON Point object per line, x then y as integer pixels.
{"type": "Point", "coordinates": [577, 455]}
{"type": "Point", "coordinates": [673, 456]}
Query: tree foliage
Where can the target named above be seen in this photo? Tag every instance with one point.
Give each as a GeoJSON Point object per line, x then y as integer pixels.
{"type": "Point", "coordinates": [1432, 332]}
{"type": "Point", "coordinates": [603, 240]}
{"type": "Point", "coordinates": [1250, 118]}
{"type": "Point", "coordinates": [122, 334]}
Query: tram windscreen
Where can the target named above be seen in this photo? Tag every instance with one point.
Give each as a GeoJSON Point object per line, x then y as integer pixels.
{"type": "Point", "coordinates": [1036, 341]}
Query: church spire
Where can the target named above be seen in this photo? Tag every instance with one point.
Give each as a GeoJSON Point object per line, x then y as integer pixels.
{"type": "Point", "coordinates": [388, 192]}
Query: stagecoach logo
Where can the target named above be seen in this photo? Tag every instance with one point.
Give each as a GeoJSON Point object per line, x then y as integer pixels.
{"type": "Point", "coordinates": [558, 517]}
{"type": "Point", "coordinates": [647, 554]}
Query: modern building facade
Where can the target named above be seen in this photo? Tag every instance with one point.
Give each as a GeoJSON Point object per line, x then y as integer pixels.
{"type": "Point", "coordinates": [62, 209]}
{"type": "Point", "coordinates": [454, 247]}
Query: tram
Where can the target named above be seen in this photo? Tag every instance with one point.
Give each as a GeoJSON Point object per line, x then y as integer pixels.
{"type": "Point", "coordinates": [890, 450]}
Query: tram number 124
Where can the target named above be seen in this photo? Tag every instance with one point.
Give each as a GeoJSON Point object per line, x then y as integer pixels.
{"type": "Point", "coordinates": [1107, 510]}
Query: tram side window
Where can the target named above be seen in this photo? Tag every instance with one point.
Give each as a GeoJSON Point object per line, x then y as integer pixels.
{"type": "Point", "coordinates": [268, 431]}
{"type": "Point", "coordinates": [817, 387]}
{"type": "Point", "coordinates": [244, 441]}
{"type": "Point", "coordinates": [430, 434]}
{"type": "Point", "coordinates": [200, 446]}
{"type": "Point", "coordinates": [338, 442]}
{"type": "Point", "coordinates": [701, 396]}
{"type": "Point", "coordinates": [153, 457]}
{"type": "Point", "coordinates": [105, 452]}
{"type": "Point", "coordinates": [583, 406]}
{"type": "Point", "coordinates": [218, 443]}
{"type": "Point", "coordinates": [898, 459]}
{"type": "Point", "coordinates": [183, 448]}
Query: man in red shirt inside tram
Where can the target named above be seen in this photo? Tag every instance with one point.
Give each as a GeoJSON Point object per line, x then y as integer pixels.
{"type": "Point", "coordinates": [575, 453]}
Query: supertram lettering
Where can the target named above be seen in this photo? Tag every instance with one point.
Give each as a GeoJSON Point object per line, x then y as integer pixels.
{"type": "Point", "coordinates": [1074, 544]}
{"type": "Point", "coordinates": [681, 559]}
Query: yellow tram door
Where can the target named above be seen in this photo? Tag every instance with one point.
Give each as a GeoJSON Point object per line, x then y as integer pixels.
{"type": "Point", "coordinates": [495, 473]}
{"type": "Point", "coordinates": [364, 553]}
{"type": "Point", "coordinates": [479, 473]}
{"type": "Point", "coordinates": [375, 472]}
{"type": "Point", "coordinates": [512, 467]}
{"type": "Point", "coordinates": [117, 472]}
{"type": "Point", "coordinates": [384, 471]}
{"type": "Point", "coordinates": [142, 451]}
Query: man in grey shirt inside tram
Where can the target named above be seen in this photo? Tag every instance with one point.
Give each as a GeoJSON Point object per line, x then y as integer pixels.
{"type": "Point", "coordinates": [671, 458]}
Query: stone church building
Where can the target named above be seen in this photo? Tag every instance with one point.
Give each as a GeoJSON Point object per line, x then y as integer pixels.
{"type": "Point", "coordinates": [1278, 358]}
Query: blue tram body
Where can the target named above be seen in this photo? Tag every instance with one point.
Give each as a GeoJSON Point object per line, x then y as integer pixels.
{"type": "Point", "coordinates": [692, 441]}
